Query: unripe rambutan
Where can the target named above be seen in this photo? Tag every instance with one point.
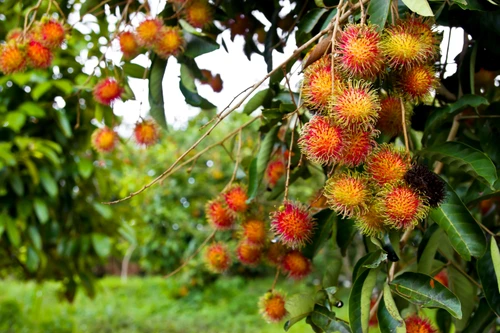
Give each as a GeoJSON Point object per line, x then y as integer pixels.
{"type": "Point", "coordinates": [255, 232]}
{"type": "Point", "coordinates": [417, 82]}
{"type": "Point", "coordinates": [359, 145]}
{"type": "Point", "coordinates": [296, 265]}
{"type": "Point", "coordinates": [401, 206]}
{"type": "Point", "coordinates": [51, 34]}
{"type": "Point", "coordinates": [322, 141]}
{"type": "Point", "coordinates": [146, 133]}
{"type": "Point", "coordinates": [128, 44]}
{"type": "Point", "coordinates": [390, 116]}
{"type": "Point", "coordinates": [217, 257]}
{"type": "Point", "coordinates": [387, 164]}
{"type": "Point", "coordinates": [347, 193]}
{"type": "Point", "coordinates": [442, 277]}
{"type": "Point", "coordinates": [355, 104]}
{"type": "Point", "coordinates": [422, 28]}
{"type": "Point", "coordinates": [236, 198]}
{"type": "Point", "coordinates": [370, 223]}
{"type": "Point", "coordinates": [104, 139]}
{"type": "Point", "coordinates": [148, 32]}
{"type": "Point", "coordinates": [38, 55]}
{"type": "Point", "coordinates": [275, 253]}
{"type": "Point", "coordinates": [416, 324]}
{"type": "Point", "coordinates": [272, 306]}
{"type": "Point", "coordinates": [293, 224]}
{"type": "Point", "coordinates": [218, 215]}
{"type": "Point", "coordinates": [107, 91]}
{"type": "Point", "coordinates": [426, 183]}
{"type": "Point", "coordinates": [12, 59]}
{"type": "Point", "coordinates": [360, 54]}
{"type": "Point", "coordinates": [170, 42]}
{"type": "Point", "coordinates": [248, 254]}
{"type": "Point", "coordinates": [274, 171]}
{"type": "Point", "coordinates": [14, 34]}
{"type": "Point", "coordinates": [198, 13]}
{"type": "Point", "coordinates": [317, 85]}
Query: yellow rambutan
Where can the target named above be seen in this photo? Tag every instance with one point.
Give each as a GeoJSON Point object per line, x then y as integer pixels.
{"type": "Point", "coordinates": [39, 56]}
{"type": "Point", "coordinates": [146, 133]}
{"type": "Point", "coordinates": [417, 82]}
{"type": "Point", "coordinates": [128, 44]}
{"type": "Point", "coordinates": [50, 34]}
{"type": "Point", "coordinates": [293, 224]}
{"type": "Point", "coordinates": [217, 257]}
{"type": "Point", "coordinates": [317, 85]}
{"type": "Point", "coordinates": [359, 144]}
{"type": "Point", "coordinates": [390, 116]}
{"type": "Point", "coordinates": [198, 13]}
{"type": "Point", "coordinates": [296, 265]}
{"type": "Point", "coordinates": [248, 254]}
{"type": "Point", "coordinates": [104, 139]}
{"type": "Point", "coordinates": [387, 164]}
{"type": "Point", "coordinates": [218, 215]}
{"type": "Point", "coordinates": [148, 32]}
{"type": "Point", "coordinates": [107, 91]}
{"type": "Point", "coordinates": [347, 193]}
{"type": "Point", "coordinates": [236, 198]}
{"type": "Point", "coordinates": [272, 306]}
{"type": "Point", "coordinates": [170, 42]}
{"type": "Point", "coordinates": [12, 59]}
{"type": "Point", "coordinates": [255, 231]}
{"type": "Point", "coordinates": [422, 27]}
{"type": "Point", "coordinates": [416, 324]}
{"type": "Point", "coordinates": [369, 223]}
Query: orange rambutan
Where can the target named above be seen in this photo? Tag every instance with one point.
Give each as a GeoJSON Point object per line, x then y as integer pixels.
{"type": "Point", "coordinates": [170, 42]}
{"type": "Point", "coordinates": [255, 232]}
{"type": "Point", "coordinates": [370, 223]}
{"type": "Point", "coordinates": [236, 198]}
{"type": "Point", "coordinates": [104, 139]}
{"type": "Point", "coordinates": [416, 324]}
{"type": "Point", "coordinates": [347, 193]}
{"type": "Point", "coordinates": [390, 116]}
{"type": "Point", "coordinates": [442, 277]}
{"type": "Point", "coordinates": [355, 105]}
{"type": "Point", "coordinates": [128, 44]}
{"type": "Point", "coordinates": [50, 33]}
{"type": "Point", "coordinates": [12, 59]}
{"type": "Point", "coordinates": [248, 254]}
{"type": "Point", "coordinates": [148, 32]}
{"type": "Point", "coordinates": [146, 133]}
{"type": "Point", "coordinates": [296, 265]}
{"type": "Point", "coordinates": [293, 224]}
{"type": "Point", "coordinates": [14, 34]}
{"type": "Point", "coordinates": [275, 253]}
{"type": "Point", "coordinates": [217, 257]}
{"type": "Point", "coordinates": [401, 206]}
{"type": "Point", "coordinates": [198, 13]}
{"type": "Point", "coordinates": [38, 55]}
{"type": "Point", "coordinates": [360, 54]}
{"type": "Point", "coordinates": [322, 141]}
{"type": "Point", "coordinates": [417, 82]}
{"type": "Point", "coordinates": [274, 171]}
{"type": "Point", "coordinates": [387, 164]}
{"type": "Point", "coordinates": [359, 145]}
{"type": "Point", "coordinates": [218, 215]}
{"type": "Point", "coordinates": [317, 85]}
{"type": "Point", "coordinates": [107, 91]}
{"type": "Point", "coordinates": [272, 306]}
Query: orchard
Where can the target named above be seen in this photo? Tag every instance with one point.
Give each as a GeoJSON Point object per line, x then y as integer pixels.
{"type": "Point", "coordinates": [362, 168]}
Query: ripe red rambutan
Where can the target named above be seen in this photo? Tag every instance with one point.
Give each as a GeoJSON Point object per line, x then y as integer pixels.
{"type": "Point", "coordinates": [317, 85]}
{"type": "Point", "coordinates": [355, 104]}
{"type": "Point", "coordinates": [12, 59]}
{"type": "Point", "coordinates": [322, 141]}
{"type": "Point", "coordinates": [359, 145]}
{"type": "Point", "coordinates": [387, 164]}
{"type": "Point", "coordinates": [248, 254]}
{"type": "Point", "coordinates": [255, 232]}
{"type": "Point", "coordinates": [274, 171]}
{"type": "Point", "coordinates": [275, 253]}
{"type": "Point", "coordinates": [370, 223]}
{"type": "Point", "coordinates": [104, 139]}
{"type": "Point", "coordinates": [51, 34]}
{"type": "Point", "coordinates": [360, 54]}
{"type": "Point", "coordinates": [373, 319]}
{"type": "Point", "coordinates": [442, 277]}
{"type": "Point", "coordinates": [107, 91]}
{"type": "Point", "coordinates": [401, 206]}
{"type": "Point", "coordinates": [293, 224]}
{"type": "Point", "coordinates": [128, 44]}
{"type": "Point", "coordinates": [296, 265]}
{"type": "Point", "coordinates": [218, 215]}
{"type": "Point", "coordinates": [170, 41]}
{"type": "Point", "coordinates": [198, 13]}
{"type": "Point", "coordinates": [416, 324]}
{"type": "Point", "coordinates": [272, 306]}
{"type": "Point", "coordinates": [390, 116]}
{"type": "Point", "coordinates": [146, 133]}
{"type": "Point", "coordinates": [236, 198]}
{"type": "Point", "coordinates": [148, 32]}
{"type": "Point", "coordinates": [38, 55]}
{"type": "Point", "coordinates": [347, 193]}
{"type": "Point", "coordinates": [417, 82]}
{"type": "Point", "coordinates": [217, 257]}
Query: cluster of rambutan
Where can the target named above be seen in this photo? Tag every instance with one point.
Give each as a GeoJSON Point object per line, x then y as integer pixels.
{"type": "Point", "coordinates": [350, 113]}
{"type": "Point", "coordinates": [34, 47]}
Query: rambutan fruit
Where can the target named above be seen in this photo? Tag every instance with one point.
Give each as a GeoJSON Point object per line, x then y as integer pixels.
{"type": "Point", "coordinates": [347, 193]}
{"type": "Point", "coordinates": [236, 198]}
{"type": "Point", "coordinates": [218, 215]}
{"type": "Point", "coordinates": [369, 223]}
{"type": "Point", "coordinates": [198, 13]}
{"type": "Point", "coordinates": [51, 34]}
{"type": "Point", "coordinates": [417, 82]}
{"type": "Point", "coordinates": [360, 144]}
{"type": "Point", "coordinates": [217, 258]}
{"type": "Point", "coordinates": [274, 171]}
{"type": "Point", "coordinates": [128, 44]}
{"type": "Point", "coordinates": [317, 85]}
{"type": "Point", "coordinates": [387, 164]}
{"type": "Point", "coordinates": [442, 277]}
{"type": "Point", "coordinates": [12, 59]}
{"type": "Point", "coordinates": [216, 83]}
{"type": "Point", "coordinates": [146, 133]}
{"type": "Point", "coordinates": [107, 91]}
{"type": "Point", "coordinates": [255, 232]}
{"type": "Point", "coordinates": [401, 206]}
{"type": "Point", "coordinates": [293, 224]}
{"type": "Point", "coordinates": [170, 42]}
{"type": "Point", "coordinates": [248, 254]}
{"type": "Point", "coordinates": [39, 56]}
{"type": "Point", "coordinates": [275, 253]}
{"type": "Point", "coordinates": [14, 34]}
{"type": "Point", "coordinates": [272, 306]}
{"type": "Point", "coordinates": [296, 265]}
{"type": "Point", "coordinates": [355, 104]}
{"type": "Point", "coordinates": [360, 54]}
{"type": "Point", "coordinates": [104, 139]}
{"type": "Point", "coordinates": [426, 183]}
{"type": "Point", "coordinates": [373, 319]}
{"type": "Point", "coordinates": [422, 28]}
{"type": "Point", "coordinates": [390, 116]}
{"type": "Point", "coordinates": [148, 32]}
{"type": "Point", "coordinates": [416, 324]}
{"type": "Point", "coordinates": [322, 141]}
{"type": "Point", "coordinates": [240, 25]}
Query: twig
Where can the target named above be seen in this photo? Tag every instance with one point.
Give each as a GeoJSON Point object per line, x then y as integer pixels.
{"type": "Point", "coordinates": [485, 228]}
{"type": "Point", "coordinates": [276, 277]}
{"type": "Point", "coordinates": [363, 14]}
{"type": "Point", "coordinates": [374, 309]}
{"type": "Point", "coordinates": [479, 116]}
{"type": "Point", "coordinates": [287, 182]}
{"type": "Point", "coordinates": [236, 162]}
{"type": "Point", "coordinates": [405, 129]}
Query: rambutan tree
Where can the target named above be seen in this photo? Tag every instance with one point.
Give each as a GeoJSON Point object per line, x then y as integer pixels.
{"type": "Point", "coordinates": [396, 145]}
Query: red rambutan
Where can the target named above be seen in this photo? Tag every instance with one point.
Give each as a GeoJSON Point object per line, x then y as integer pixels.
{"type": "Point", "coordinates": [416, 324]}
{"type": "Point", "coordinates": [390, 116]}
{"type": "Point", "coordinates": [255, 232]}
{"type": "Point", "coordinates": [274, 171]}
{"type": "Point", "coordinates": [51, 34]}
{"type": "Point", "coordinates": [12, 59]}
{"type": "Point", "coordinates": [317, 85]}
{"type": "Point", "coordinates": [296, 265]}
{"type": "Point", "coordinates": [387, 164]}
{"type": "Point", "coordinates": [128, 44]}
{"type": "Point", "coordinates": [14, 34]}
{"type": "Point", "coordinates": [38, 55]}
{"type": "Point", "coordinates": [442, 277]}
{"type": "Point", "coordinates": [359, 145]}
{"type": "Point", "coordinates": [170, 42]}
{"type": "Point", "coordinates": [248, 254]}
{"type": "Point", "coordinates": [272, 306]}
{"type": "Point", "coordinates": [217, 257]}
{"type": "Point", "coordinates": [107, 91]}
{"type": "Point", "coordinates": [218, 215]}
{"type": "Point", "coordinates": [417, 82]}
{"type": "Point", "coordinates": [347, 193]}
{"type": "Point", "coordinates": [148, 32]}
{"type": "Point", "coordinates": [236, 198]}
{"type": "Point", "coordinates": [104, 139]}
{"type": "Point", "coordinates": [146, 133]}
{"type": "Point", "coordinates": [293, 224]}
{"type": "Point", "coordinates": [198, 13]}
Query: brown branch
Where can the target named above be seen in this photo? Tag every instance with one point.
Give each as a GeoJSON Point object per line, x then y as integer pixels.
{"type": "Point", "coordinates": [236, 163]}
{"type": "Point", "coordinates": [405, 128]}
{"type": "Point", "coordinates": [276, 277]}
{"type": "Point", "coordinates": [287, 182]}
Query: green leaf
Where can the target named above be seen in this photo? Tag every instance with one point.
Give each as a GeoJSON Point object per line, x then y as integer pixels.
{"type": "Point", "coordinates": [105, 211]}
{"type": "Point", "coordinates": [198, 45]}
{"type": "Point", "coordinates": [424, 291]}
{"type": "Point", "coordinates": [479, 192]}
{"type": "Point", "coordinates": [378, 11]}
{"type": "Point", "coordinates": [326, 320]}
{"type": "Point", "coordinates": [323, 231]}
{"type": "Point", "coordinates": [359, 301]}
{"type": "Point", "coordinates": [41, 210]}
{"type": "Point", "coordinates": [134, 70]}
{"type": "Point", "coordinates": [495, 258]}
{"type": "Point", "coordinates": [64, 123]}
{"type": "Point", "coordinates": [155, 86]}
{"type": "Point", "coordinates": [85, 167]}
{"type": "Point", "coordinates": [464, 233]}
{"type": "Point", "coordinates": [370, 260]}
{"type": "Point", "coordinates": [421, 7]}
{"type": "Point", "coordinates": [15, 120]}
{"type": "Point", "coordinates": [486, 272]}
{"type": "Point", "coordinates": [32, 260]}
{"type": "Point", "coordinates": [40, 89]}
{"type": "Point", "coordinates": [389, 319]}
{"type": "Point", "coordinates": [48, 183]}
{"type": "Point", "coordinates": [428, 247]}
{"type": "Point", "coordinates": [35, 237]}
{"type": "Point", "coordinates": [298, 306]}
{"type": "Point", "coordinates": [309, 21]}
{"type": "Point", "coordinates": [465, 158]}
{"type": "Point", "coordinates": [12, 232]}
{"type": "Point", "coordinates": [17, 184]}
{"type": "Point", "coordinates": [192, 98]}
{"type": "Point", "coordinates": [65, 86]}
{"type": "Point", "coordinates": [101, 244]}
{"type": "Point", "coordinates": [345, 233]}
{"type": "Point", "coordinates": [32, 109]}
{"type": "Point", "coordinates": [257, 100]}
{"type": "Point", "coordinates": [466, 292]}
{"type": "Point", "coordinates": [319, 3]}
{"type": "Point", "coordinates": [482, 318]}
{"type": "Point", "coordinates": [332, 272]}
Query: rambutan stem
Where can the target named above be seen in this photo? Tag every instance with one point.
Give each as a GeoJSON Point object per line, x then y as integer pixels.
{"type": "Point", "coordinates": [276, 277]}
{"type": "Point", "coordinates": [236, 162]}
{"type": "Point", "coordinates": [363, 13]}
{"type": "Point", "coordinates": [340, 9]}
{"type": "Point", "coordinates": [287, 182]}
{"type": "Point", "coordinates": [405, 129]}
{"type": "Point", "coordinates": [26, 17]}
